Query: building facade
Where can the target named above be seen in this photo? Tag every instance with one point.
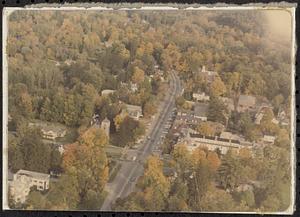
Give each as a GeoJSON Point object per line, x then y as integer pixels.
{"type": "Point", "coordinates": [133, 111]}
{"type": "Point", "coordinates": [194, 141]}
{"type": "Point", "coordinates": [22, 182]}
{"type": "Point", "coordinates": [200, 97]}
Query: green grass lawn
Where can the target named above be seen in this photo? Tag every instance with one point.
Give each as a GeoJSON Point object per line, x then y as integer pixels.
{"type": "Point", "coordinates": [113, 151]}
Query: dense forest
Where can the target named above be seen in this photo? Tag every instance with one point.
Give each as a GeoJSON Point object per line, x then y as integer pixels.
{"type": "Point", "coordinates": [60, 61]}
{"type": "Point", "coordinates": [108, 48]}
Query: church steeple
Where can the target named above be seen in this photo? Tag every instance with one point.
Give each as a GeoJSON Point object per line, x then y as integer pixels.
{"type": "Point", "coordinates": [105, 125]}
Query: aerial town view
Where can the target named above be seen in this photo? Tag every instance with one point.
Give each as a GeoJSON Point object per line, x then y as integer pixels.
{"type": "Point", "coordinates": [149, 110]}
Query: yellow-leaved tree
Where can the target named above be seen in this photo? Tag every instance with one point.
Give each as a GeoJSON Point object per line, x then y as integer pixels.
{"type": "Point", "coordinates": [138, 75]}
{"type": "Point", "coordinates": [155, 185]}
{"type": "Point", "coordinates": [86, 160]}
{"type": "Point", "coordinates": [217, 87]}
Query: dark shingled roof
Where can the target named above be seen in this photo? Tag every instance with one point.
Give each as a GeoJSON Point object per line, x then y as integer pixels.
{"type": "Point", "coordinates": [195, 135]}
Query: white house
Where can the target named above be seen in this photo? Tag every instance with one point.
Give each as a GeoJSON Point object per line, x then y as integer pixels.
{"type": "Point", "coordinates": [23, 180]}
{"type": "Point", "coordinates": [258, 118]}
{"type": "Point", "coordinates": [269, 139]}
{"type": "Point", "coordinates": [107, 92]}
{"type": "Point", "coordinates": [200, 97]}
{"type": "Point", "coordinates": [282, 117]}
{"type": "Point", "coordinates": [133, 111]}
{"type": "Point", "coordinates": [50, 131]}
{"type": "Point", "coordinates": [133, 87]}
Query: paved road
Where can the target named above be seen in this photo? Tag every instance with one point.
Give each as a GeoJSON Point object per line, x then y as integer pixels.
{"type": "Point", "coordinates": [124, 182]}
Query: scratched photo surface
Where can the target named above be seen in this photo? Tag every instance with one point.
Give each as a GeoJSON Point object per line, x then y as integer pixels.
{"type": "Point", "coordinates": [150, 110]}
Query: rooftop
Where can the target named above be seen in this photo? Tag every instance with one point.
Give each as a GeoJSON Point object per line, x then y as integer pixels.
{"type": "Point", "coordinates": [107, 91]}
{"type": "Point", "coordinates": [269, 138]}
{"type": "Point", "coordinates": [229, 135]}
{"type": "Point", "coordinates": [133, 107]}
{"type": "Point", "coordinates": [33, 174]}
{"type": "Point", "coordinates": [195, 135]}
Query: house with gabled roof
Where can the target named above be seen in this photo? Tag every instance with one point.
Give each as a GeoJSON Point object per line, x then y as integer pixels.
{"type": "Point", "coordinates": [22, 182]}
{"type": "Point", "coordinates": [133, 111]}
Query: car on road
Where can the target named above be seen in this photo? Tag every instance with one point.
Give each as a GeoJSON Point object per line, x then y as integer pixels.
{"type": "Point", "coordinates": [148, 137]}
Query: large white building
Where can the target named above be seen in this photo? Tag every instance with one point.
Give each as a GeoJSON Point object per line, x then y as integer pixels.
{"type": "Point", "coordinates": [200, 97]}
{"type": "Point", "coordinates": [23, 180]}
{"type": "Point", "coordinates": [194, 141]}
{"type": "Point", "coordinates": [133, 111]}
{"type": "Point", "coordinates": [107, 92]}
{"type": "Point", "coordinates": [50, 131]}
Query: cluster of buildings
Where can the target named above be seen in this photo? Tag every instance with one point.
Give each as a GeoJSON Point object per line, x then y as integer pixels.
{"type": "Point", "coordinates": [132, 111]}
{"type": "Point", "coordinates": [186, 121]}
{"type": "Point", "coordinates": [21, 183]}
{"type": "Point", "coordinates": [224, 142]}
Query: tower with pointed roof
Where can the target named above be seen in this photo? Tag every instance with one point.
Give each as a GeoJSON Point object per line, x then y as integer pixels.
{"type": "Point", "coordinates": [105, 125]}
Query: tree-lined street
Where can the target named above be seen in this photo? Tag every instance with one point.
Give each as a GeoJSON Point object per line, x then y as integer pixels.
{"type": "Point", "coordinates": [125, 181]}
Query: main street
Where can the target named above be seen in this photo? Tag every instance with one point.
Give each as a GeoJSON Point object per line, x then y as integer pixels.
{"type": "Point", "coordinates": [125, 180]}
